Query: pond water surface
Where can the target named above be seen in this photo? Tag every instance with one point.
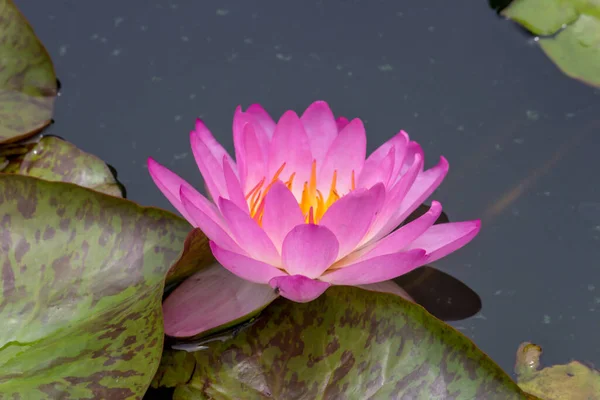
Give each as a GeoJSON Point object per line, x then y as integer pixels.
{"type": "Point", "coordinates": [522, 139]}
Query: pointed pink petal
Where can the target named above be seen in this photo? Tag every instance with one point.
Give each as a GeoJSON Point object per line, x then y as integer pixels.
{"type": "Point", "coordinates": [376, 269]}
{"type": "Point", "coordinates": [443, 239]}
{"type": "Point", "coordinates": [211, 143]}
{"type": "Point", "coordinates": [341, 123]}
{"type": "Point", "coordinates": [254, 158]}
{"type": "Point", "coordinates": [375, 172]}
{"type": "Point", "coordinates": [210, 168]}
{"type": "Point", "coordinates": [413, 149]}
{"type": "Point", "coordinates": [234, 188]}
{"type": "Point", "coordinates": [290, 146]}
{"type": "Point", "coordinates": [399, 143]}
{"type": "Point", "coordinates": [257, 145]}
{"type": "Point", "coordinates": [248, 234]}
{"type": "Point", "coordinates": [401, 238]}
{"type": "Point", "coordinates": [211, 298]}
{"type": "Point", "coordinates": [262, 117]}
{"type": "Point", "coordinates": [321, 128]}
{"type": "Point", "coordinates": [350, 217]}
{"type": "Point", "coordinates": [424, 185]}
{"type": "Point", "coordinates": [298, 288]}
{"type": "Point", "coordinates": [281, 213]}
{"type": "Point", "coordinates": [204, 215]}
{"type": "Point", "coordinates": [246, 268]}
{"type": "Point", "coordinates": [169, 183]}
{"type": "Point", "coordinates": [388, 287]}
{"type": "Point", "coordinates": [346, 154]}
{"type": "Point", "coordinates": [309, 250]}
{"type": "Point", "coordinates": [393, 200]}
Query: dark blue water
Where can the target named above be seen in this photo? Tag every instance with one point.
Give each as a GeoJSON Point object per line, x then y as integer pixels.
{"type": "Point", "coordinates": [522, 139]}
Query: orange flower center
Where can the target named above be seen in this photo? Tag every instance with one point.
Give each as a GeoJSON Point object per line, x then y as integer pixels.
{"type": "Point", "coordinates": [312, 204]}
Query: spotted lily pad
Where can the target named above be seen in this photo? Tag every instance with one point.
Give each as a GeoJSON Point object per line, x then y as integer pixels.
{"type": "Point", "coordinates": [28, 83]}
{"type": "Point", "coordinates": [572, 381]}
{"type": "Point", "coordinates": [348, 344]}
{"type": "Point", "coordinates": [570, 32]}
{"type": "Point", "coordinates": [81, 283]}
{"type": "Point", "coordinates": [54, 159]}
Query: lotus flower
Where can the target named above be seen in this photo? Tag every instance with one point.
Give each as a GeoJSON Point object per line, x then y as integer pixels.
{"type": "Point", "coordinates": [301, 209]}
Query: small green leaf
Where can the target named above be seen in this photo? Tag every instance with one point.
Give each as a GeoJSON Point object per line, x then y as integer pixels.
{"type": "Point", "coordinates": [576, 49]}
{"type": "Point", "coordinates": [54, 159]}
{"type": "Point", "coordinates": [349, 343]}
{"type": "Point", "coordinates": [572, 381]}
{"type": "Point", "coordinates": [28, 84]}
{"type": "Point", "coordinates": [81, 283]}
{"type": "Point", "coordinates": [575, 26]}
{"type": "Point", "coordinates": [196, 255]}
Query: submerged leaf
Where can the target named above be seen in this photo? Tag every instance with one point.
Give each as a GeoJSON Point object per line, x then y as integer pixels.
{"type": "Point", "coordinates": [54, 159]}
{"type": "Point", "coordinates": [81, 282]}
{"type": "Point", "coordinates": [28, 84]}
{"type": "Point", "coordinates": [572, 381]}
{"type": "Point", "coordinates": [348, 343]}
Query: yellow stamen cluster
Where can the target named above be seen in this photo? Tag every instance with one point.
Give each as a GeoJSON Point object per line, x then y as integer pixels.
{"type": "Point", "coordinates": [313, 204]}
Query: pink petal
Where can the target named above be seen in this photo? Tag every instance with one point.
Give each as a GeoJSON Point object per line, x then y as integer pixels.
{"type": "Point", "coordinates": [211, 298]}
{"type": "Point", "coordinates": [374, 172]}
{"type": "Point", "coordinates": [350, 217]}
{"type": "Point", "coordinates": [399, 143]}
{"type": "Point", "coordinates": [346, 154]}
{"type": "Point", "coordinates": [376, 269]}
{"type": "Point", "coordinates": [169, 183]}
{"type": "Point", "coordinates": [204, 215]}
{"type": "Point", "coordinates": [413, 149]}
{"type": "Point", "coordinates": [212, 144]}
{"type": "Point", "coordinates": [388, 287]}
{"type": "Point", "coordinates": [246, 268]}
{"type": "Point", "coordinates": [211, 169]}
{"type": "Point", "coordinates": [290, 145]}
{"type": "Point", "coordinates": [309, 250]}
{"type": "Point", "coordinates": [255, 161]}
{"type": "Point", "coordinates": [393, 200]}
{"type": "Point", "coordinates": [341, 123]}
{"type": "Point", "coordinates": [263, 119]}
{"type": "Point", "coordinates": [424, 185]}
{"type": "Point", "coordinates": [298, 288]}
{"type": "Point", "coordinates": [248, 234]}
{"type": "Point", "coordinates": [234, 189]}
{"type": "Point", "coordinates": [321, 128]}
{"type": "Point", "coordinates": [401, 238]}
{"type": "Point", "coordinates": [443, 239]}
{"type": "Point", "coordinates": [281, 213]}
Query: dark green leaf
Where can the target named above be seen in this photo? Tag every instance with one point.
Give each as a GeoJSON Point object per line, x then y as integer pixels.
{"type": "Point", "coordinates": [347, 344]}
{"type": "Point", "coordinates": [27, 80]}
{"type": "Point", "coordinates": [81, 282]}
{"type": "Point", "coordinates": [54, 159]}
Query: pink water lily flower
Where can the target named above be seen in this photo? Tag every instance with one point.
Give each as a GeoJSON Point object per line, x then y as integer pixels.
{"type": "Point", "coordinates": [302, 208]}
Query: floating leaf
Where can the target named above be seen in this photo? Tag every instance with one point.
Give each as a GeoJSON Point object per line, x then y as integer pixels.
{"type": "Point", "coordinates": [575, 26]}
{"type": "Point", "coordinates": [28, 84]}
{"type": "Point", "coordinates": [81, 283]}
{"type": "Point", "coordinates": [572, 381]}
{"type": "Point", "coordinates": [54, 159]}
{"type": "Point", "coordinates": [348, 343]}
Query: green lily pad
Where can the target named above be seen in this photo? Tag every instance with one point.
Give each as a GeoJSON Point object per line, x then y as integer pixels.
{"type": "Point", "coordinates": [28, 83]}
{"type": "Point", "coordinates": [81, 283]}
{"type": "Point", "coordinates": [572, 381]}
{"type": "Point", "coordinates": [349, 343]}
{"type": "Point", "coordinates": [54, 159]}
{"type": "Point", "coordinates": [572, 33]}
